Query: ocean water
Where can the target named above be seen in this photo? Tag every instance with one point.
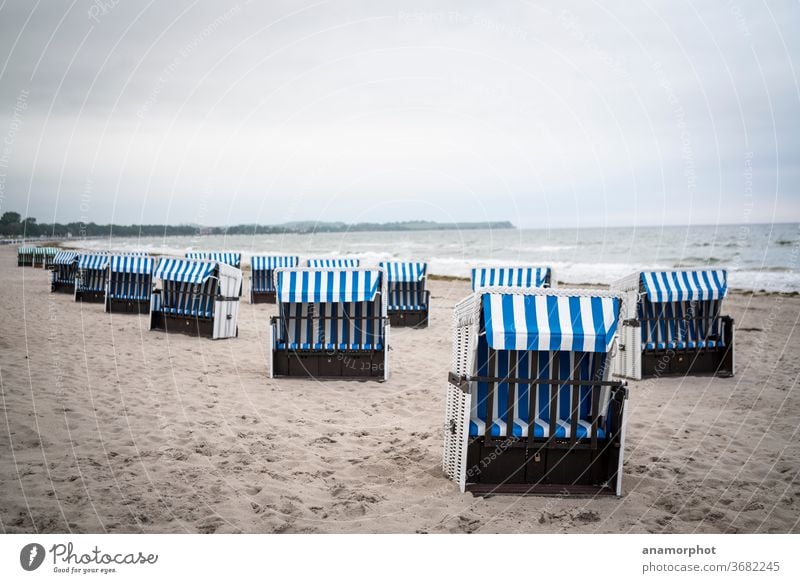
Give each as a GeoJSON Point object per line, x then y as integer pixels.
{"type": "Point", "coordinates": [757, 256]}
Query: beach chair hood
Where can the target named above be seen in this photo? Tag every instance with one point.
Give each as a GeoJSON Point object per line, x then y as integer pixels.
{"type": "Point", "coordinates": [526, 277]}
{"type": "Point", "coordinates": [404, 272]}
{"type": "Point", "coordinates": [318, 285]}
{"type": "Point", "coordinates": [685, 285]}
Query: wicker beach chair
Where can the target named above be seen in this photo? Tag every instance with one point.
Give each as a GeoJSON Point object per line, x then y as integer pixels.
{"type": "Point", "coordinates": [196, 297]}
{"type": "Point", "coordinates": [25, 256]}
{"type": "Point", "coordinates": [129, 283]}
{"type": "Point", "coordinates": [90, 278]}
{"type": "Point", "coordinates": [262, 282]}
{"type": "Point", "coordinates": [331, 323]}
{"type": "Point", "coordinates": [673, 324]}
{"type": "Point", "coordinates": [512, 277]}
{"type": "Point", "coordinates": [64, 268]}
{"type": "Point", "coordinates": [408, 302]}
{"type": "Point", "coordinates": [531, 407]}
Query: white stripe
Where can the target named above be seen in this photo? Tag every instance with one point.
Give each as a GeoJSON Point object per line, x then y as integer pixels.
{"type": "Point", "coordinates": [565, 323]}
{"type": "Point", "coordinates": [587, 320]}
{"type": "Point", "coordinates": [520, 324]}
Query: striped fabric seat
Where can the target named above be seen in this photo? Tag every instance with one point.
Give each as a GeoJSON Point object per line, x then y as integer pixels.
{"type": "Point", "coordinates": [406, 285]}
{"type": "Point", "coordinates": [262, 268]}
{"type": "Point", "coordinates": [232, 259]}
{"type": "Point", "coordinates": [680, 310]}
{"type": "Point", "coordinates": [333, 263]}
{"type": "Point", "coordinates": [130, 277]}
{"type": "Point", "coordinates": [188, 287]}
{"type": "Point", "coordinates": [336, 309]}
{"type": "Point", "coordinates": [535, 364]}
{"type": "Point", "coordinates": [334, 326]}
{"type": "Point", "coordinates": [92, 272]}
{"type": "Point", "coordinates": [541, 337]}
{"type": "Point", "coordinates": [510, 277]}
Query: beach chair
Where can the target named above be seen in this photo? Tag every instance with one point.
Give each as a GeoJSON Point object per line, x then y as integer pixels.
{"type": "Point", "coordinates": [64, 269]}
{"type": "Point", "coordinates": [129, 283]}
{"type": "Point", "coordinates": [407, 301]}
{"type": "Point", "coordinates": [531, 407]}
{"type": "Point", "coordinates": [262, 283]}
{"type": "Point", "coordinates": [38, 257]}
{"type": "Point", "coordinates": [512, 277]}
{"type": "Point", "coordinates": [25, 256]}
{"type": "Point", "coordinates": [90, 278]}
{"type": "Point", "coordinates": [232, 259]}
{"type": "Point", "coordinates": [48, 254]}
{"type": "Point", "coordinates": [673, 324]}
{"type": "Point", "coordinates": [331, 323]}
{"type": "Point", "coordinates": [332, 263]}
{"type": "Point", "coordinates": [197, 297]}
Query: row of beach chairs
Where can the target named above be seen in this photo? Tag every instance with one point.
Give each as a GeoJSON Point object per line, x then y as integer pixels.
{"type": "Point", "coordinates": [535, 395]}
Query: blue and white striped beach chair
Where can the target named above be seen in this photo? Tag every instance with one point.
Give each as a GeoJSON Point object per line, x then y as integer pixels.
{"type": "Point", "coordinates": [339, 263]}
{"type": "Point", "coordinates": [130, 283]}
{"type": "Point", "coordinates": [197, 297]}
{"type": "Point", "coordinates": [511, 277]}
{"type": "Point", "coordinates": [25, 256]}
{"type": "Point", "coordinates": [262, 282]}
{"type": "Point", "coordinates": [674, 324]}
{"type": "Point", "coordinates": [330, 323]}
{"type": "Point", "coordinates": [64, 268]}
{"type": "Point", "coordinates": [531, 406]}
{"type": "Point", "coordinates": [90, 278]}
{"type": "Point", "coordinates": [408, 301]}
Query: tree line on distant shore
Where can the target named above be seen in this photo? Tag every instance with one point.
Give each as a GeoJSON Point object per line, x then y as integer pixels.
{"type": "Point", "coordinates": [12, 225]}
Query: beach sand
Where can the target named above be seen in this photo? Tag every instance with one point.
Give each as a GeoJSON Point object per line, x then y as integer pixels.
{"type": "Point", "coordinates": [108, 427]}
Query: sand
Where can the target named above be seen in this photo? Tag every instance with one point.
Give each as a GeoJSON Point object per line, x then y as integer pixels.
{"type": "Point", "coordinates": [108, 427]}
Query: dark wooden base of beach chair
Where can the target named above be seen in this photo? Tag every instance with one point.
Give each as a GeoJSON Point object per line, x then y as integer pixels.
{"type": "Point", "coordinates": [509, 466]}
{"type": "Point", "coordinates": [717, 361]}
{"type": "Point", "coordinates": [262, 297]}
{"type": "Point", "coordinates": [362, 365]}
{"type": "Point", "coordinates": [117, 306]}
{"type": "Point", "coordinates": [61, 287]}
{"type": "Point", "coordinates": [409, 319]}
{"type": "Point", "coordinates": [93, 297]}
{"type": "Point", "coordinates": [202, 327]}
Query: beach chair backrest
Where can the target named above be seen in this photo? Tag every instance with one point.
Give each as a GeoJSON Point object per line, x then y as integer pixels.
{"type": "Point", "coordinates": [189, 287]}
{"type": "Point", "coordinates": [681, 309]}
{"type": "Point", "coordinates": [543, 337]}
{"type": "Point", "coordinates": [130, 277]}
{"type": "Point", "coordinates": [262, 268]}
{"type": "Point", "coordinates": [405, 284]}
{"type": "Point", "coordinates": [64, 265]}
{"type": "Point", "coordinates": [331, 309]}
{"type": "Point", "coordinates": [232, 259]}
{"type": "Point", "coordinates": [523, 277]}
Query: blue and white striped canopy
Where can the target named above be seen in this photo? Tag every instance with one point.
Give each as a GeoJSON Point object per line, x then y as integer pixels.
{"type": "Point", "coordinates": [397, 271]}
{"type": "Point", "coordinates": [232, 259]}
{"type": "Point", "coordinates": [678, 286]}
{"type": "Point", "coordinates": [184, 270]}
{"type": "Point", "coordinates": [131, 264]}
{"type": "Point", "coordinates": [64, 257]}
{"type": "Point", "coordinates": [509, 277]}
{"type": "Point", "coordinates": [550, 322]}
{"type": "Point", "coordinates": [267, 262]}
{"type": "Point", "coordinates": [26, 250]}
{"type": "Point", "coordinates": [93, 261]}
{"type": "Point", "coordinates": [335, 285]}
{"type": "Point", "coordinates": [333, 263]}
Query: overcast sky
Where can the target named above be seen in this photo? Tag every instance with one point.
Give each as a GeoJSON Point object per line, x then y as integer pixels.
{"type": "Point", "coordinates": [546, 114]}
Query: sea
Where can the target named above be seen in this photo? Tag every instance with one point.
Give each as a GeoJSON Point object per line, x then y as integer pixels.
{"type": "Point", "coordinates": [757, 256]}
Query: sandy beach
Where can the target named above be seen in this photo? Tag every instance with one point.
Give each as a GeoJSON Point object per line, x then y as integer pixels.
{"type": "Point", "coordinates": [108, 427]}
